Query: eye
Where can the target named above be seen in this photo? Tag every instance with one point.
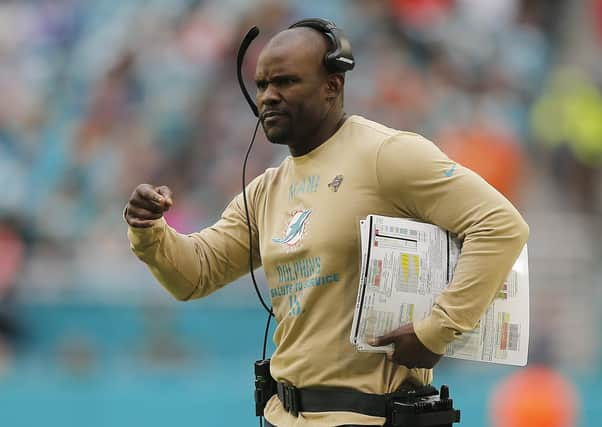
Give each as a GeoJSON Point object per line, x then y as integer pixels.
{"type": "Point", "coordinates": [285, 81]}
{"type": "Point", "coordinates": [261, 84]}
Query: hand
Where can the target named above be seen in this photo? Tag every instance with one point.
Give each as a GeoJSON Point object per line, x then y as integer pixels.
{"type": "Point", "coordinates": [409, 351]}
{"type": "Point", "coordinates": [147, 204]}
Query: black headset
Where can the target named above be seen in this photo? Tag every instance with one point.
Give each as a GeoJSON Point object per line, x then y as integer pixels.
{"type": "Point", "coordinates": [338, 59]}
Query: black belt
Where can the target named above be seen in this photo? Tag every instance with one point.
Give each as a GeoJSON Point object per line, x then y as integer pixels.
{"type": "Point", "coordinates": [297, 400]}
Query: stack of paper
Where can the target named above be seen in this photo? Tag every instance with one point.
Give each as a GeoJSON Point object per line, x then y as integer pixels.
{"type": "Point", "coordinates": [406, 265]}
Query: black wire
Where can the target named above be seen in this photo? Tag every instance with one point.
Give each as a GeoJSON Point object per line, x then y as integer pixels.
{"type": "Point", "coordinates": [265, 335]}
{"type": "Point", "coordinates": [251, 35]}
{"type": "Point", "coordinates": [263, 303]}
{"type": "Point", "coordinates": [244, 197]}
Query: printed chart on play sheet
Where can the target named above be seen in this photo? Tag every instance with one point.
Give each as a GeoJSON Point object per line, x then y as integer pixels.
{"type": "Point", "coordinates": [406, 265]}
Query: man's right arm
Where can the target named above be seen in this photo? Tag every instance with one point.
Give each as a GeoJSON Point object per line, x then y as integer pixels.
{"type": "Point", "coordinates": [194, 265]}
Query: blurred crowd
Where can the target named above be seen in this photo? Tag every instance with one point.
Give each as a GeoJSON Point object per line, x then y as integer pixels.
{"type": "Point", "coordinates": [98, 97]}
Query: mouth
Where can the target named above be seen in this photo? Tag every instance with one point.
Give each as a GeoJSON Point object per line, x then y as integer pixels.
{"type": "Point", "coordinates": [268, 114]}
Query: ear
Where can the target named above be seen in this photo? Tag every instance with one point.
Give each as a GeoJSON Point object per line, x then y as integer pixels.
{"type": "Point", "coordinates": [334, 85]}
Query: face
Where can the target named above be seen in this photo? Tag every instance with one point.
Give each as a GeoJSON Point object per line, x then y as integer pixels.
{"type": "Point", "coordinates": [291, 90]}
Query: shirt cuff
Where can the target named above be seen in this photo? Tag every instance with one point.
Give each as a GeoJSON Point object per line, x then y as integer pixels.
{"type": "Point", "coordinates": [141, 238]}
{"type": "Point", "coordinates": [432, 334]}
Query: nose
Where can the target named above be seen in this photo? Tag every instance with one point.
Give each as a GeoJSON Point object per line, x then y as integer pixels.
{"type": "Point", "coordinates": [269, 96]}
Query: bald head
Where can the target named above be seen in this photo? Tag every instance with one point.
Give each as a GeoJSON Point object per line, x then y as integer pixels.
{"type": "Point", "coordinates": [302, 43]}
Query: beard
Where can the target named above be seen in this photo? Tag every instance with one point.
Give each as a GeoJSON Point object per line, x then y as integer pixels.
{"type": "Point", "coordinates": [277, 136]}
{"type": "Point", "coordinates": [277, 133]}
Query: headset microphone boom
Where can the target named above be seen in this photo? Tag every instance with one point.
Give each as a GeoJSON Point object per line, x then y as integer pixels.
{"type": "Point", "coordinates": [242, 50]}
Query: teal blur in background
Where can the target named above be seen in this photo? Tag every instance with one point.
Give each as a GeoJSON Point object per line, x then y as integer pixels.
{"type": "Point", "coordinates": [125, 366]}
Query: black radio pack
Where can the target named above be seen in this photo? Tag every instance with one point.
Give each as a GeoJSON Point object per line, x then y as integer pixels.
{"type": "Point", "coordinates": [265, 386]}
{"type": "Point", "coordinates": [422, 407]}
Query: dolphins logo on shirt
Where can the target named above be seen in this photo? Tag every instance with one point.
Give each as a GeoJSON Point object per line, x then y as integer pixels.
{"type": "Point", "coordinates": [294, 229]}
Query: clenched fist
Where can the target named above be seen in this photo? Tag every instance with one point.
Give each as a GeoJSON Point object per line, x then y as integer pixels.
{"type": "Point", "coordinates": [147, 204]}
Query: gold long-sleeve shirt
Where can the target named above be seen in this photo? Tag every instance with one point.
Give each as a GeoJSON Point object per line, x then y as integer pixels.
{"type": "Point", "coordinates": [305, 226]}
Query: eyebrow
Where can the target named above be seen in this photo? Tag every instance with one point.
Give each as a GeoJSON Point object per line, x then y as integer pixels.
{"type": "Point", "coordinates": [278, 78]}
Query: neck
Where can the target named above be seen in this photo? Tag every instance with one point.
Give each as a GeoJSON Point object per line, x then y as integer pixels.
{"type": "Point", "coordinates": [324, 130]}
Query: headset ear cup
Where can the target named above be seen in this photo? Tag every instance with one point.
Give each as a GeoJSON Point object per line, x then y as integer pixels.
{"type": "Point", "coordinates": [340, 58]}
{"type": "Point", "coordinates": [336, 63]}
{"type": "Point", "coordinates": [330, 63]}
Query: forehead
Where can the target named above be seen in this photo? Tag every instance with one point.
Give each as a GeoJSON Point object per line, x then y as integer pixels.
{"type": "Point", "coordinates": [297, 50]}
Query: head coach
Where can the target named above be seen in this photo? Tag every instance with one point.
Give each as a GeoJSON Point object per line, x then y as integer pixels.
{"type": "Point", "coordinates": [304, 222]}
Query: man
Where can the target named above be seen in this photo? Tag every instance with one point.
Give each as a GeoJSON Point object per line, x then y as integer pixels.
{"type": "Point", "coordinates": [304, 220]}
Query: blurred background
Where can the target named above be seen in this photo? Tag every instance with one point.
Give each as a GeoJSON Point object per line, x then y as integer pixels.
{"type": "Point", "coordinates": [100, 96]}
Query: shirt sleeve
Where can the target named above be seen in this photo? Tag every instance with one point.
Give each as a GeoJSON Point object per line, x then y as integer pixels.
{"type": "Point", "coordinates": [194, 265]}
{"type": "Point", "coordinates": [423, 183]}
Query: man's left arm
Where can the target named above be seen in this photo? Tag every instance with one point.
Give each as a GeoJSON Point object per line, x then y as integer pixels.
{"type": "Point", "coordinates": [425, 184]}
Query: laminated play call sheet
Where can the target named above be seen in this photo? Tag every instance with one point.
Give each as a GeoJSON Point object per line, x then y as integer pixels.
{"type": "Point", "coordinates": [406, 265]}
